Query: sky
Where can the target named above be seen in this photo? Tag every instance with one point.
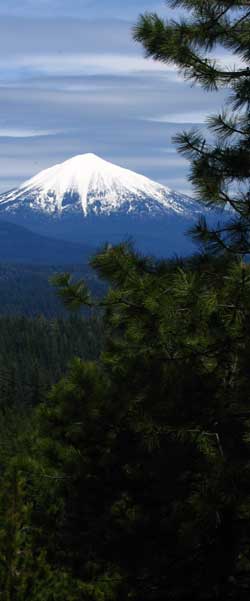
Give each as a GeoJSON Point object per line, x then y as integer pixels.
{"type": "Point", "coordinates": [72, 80]}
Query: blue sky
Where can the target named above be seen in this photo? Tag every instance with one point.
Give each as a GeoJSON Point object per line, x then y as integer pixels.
{"type": "Point", "coordinates": [72, 80]}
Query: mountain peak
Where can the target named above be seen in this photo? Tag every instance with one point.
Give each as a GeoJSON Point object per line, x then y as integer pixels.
{"type": "Point", "coordinates": [84, 158]}
{"type": "Point", "coordinates": [87, 184]}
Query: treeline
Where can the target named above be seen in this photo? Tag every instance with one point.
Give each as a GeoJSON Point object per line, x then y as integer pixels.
{"type": "Point", "coordinates": [35, 353]}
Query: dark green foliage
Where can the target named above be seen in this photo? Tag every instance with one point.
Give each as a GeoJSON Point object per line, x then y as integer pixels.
{"type": "Point", "coordinates": [131, 479]}
{"type": "Point", "coordinates": [74, 294]}
{"type": "Point", "coordinates": [141, 459]}
{"type": "Point", "coordinates": [34, 353]}
{"type": "Point", "coordinates": [220, 171]}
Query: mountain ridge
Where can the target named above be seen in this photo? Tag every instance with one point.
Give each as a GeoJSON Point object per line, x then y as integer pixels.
{"type": "Point", "coordinates": [20, 245]}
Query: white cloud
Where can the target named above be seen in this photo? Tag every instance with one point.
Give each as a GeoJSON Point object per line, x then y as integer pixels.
{"type": "Point", "coordinates": [15, 132]}
{"type": "Point", "coordinates": [188, 117]}
{"type": "Point", "coordinates": [81, 64]}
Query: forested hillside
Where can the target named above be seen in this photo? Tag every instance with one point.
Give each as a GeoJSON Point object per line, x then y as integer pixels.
{"type": "Point", "coordinates": [21, 245]}
{"type": "Point", "coordinates": [35, 353]}
{"type": "Point", "coordinates": [26, 289]}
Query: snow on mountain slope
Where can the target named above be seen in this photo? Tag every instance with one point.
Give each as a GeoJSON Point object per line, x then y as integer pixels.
{"type": "Point", "coordinates": [88, 185]}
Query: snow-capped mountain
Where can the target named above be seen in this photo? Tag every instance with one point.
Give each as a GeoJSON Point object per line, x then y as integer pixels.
{"type": "Point", "coordinates": [88, 185]}
{"type": "Point", "coordinates": [92, 201]}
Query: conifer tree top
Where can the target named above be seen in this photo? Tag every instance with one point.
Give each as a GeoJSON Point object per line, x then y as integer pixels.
{"type": "Point", "coordinates": [220, 171]}
{"type": "Point", "coordinates": [188, 42]}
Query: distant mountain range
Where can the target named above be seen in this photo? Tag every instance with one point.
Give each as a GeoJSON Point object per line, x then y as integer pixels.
{"type": "Point", "coordinates": [90, 201]}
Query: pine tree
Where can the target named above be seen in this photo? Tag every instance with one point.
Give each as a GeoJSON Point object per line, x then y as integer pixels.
{"type": "Point", "coordinates": [176, 359]}
{"type": "Point", "coordinates": [220, 171]}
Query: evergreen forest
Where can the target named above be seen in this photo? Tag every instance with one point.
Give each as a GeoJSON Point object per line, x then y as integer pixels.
{"type": "Point", "coordinates": [125, 426]}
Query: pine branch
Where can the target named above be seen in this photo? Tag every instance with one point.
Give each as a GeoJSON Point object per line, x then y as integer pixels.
{"type": "Point", "coordinates": [224, 125]}
{"type": "Point", "coordinates": [175, 43]}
